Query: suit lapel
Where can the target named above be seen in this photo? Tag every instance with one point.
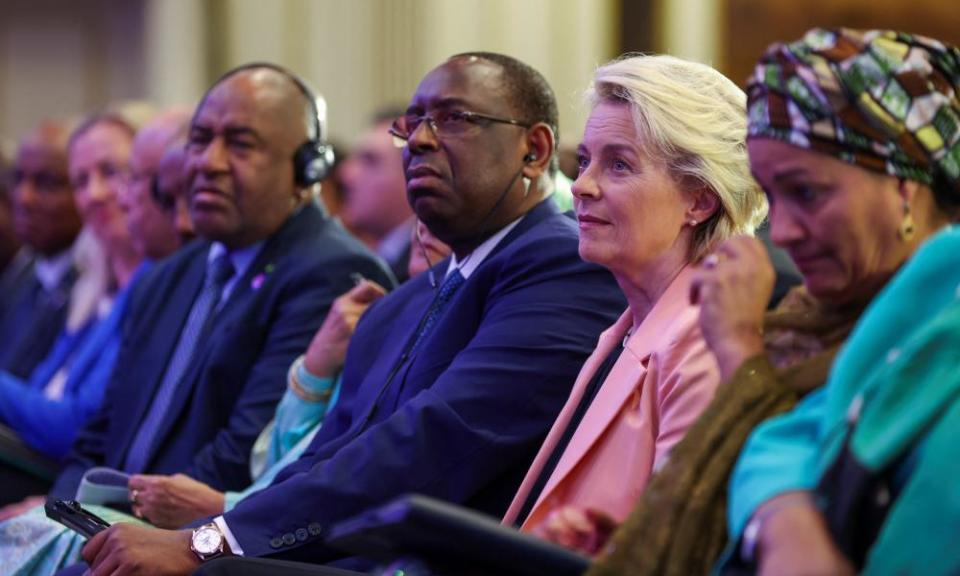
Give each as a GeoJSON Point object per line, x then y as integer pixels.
{"type": "Point", "coordinates": [615, 391]}
{"type": "Point", "coordinates": [605, 344]}
{"type": "Point", "coordinates": [230, 311]}
{"type": "Point", "coordinates": [622, 381]}
{"type": "Point", "coordinates": [167, 321]}
{"type": "Point", "coordinates": [398, 342]}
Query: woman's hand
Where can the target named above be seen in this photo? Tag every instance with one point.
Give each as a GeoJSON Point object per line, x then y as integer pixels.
{"type": "Point", "coordinates": [328, 349]}
{"type": "Point", "coordinates": [173, 501]}
{"type": "Point", "coordinates": [794, 540]}
{"type": "Point", "coordinates": [733, 286]}
{"type": "Point", "coordinates": [583, 530]}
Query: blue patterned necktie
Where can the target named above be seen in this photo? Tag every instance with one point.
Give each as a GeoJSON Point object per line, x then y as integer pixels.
{"type": "Point", "coordinates": [194, 332]}
{"type": "Point", "coordinates": [450, 285]}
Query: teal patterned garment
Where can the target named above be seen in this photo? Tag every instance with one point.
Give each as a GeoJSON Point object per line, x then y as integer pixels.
{"type": "Point", "coordinates": [897, 376]}
{"type": "Point", "coordinates": [884, 100]}
{"type": "Point", "coordinates": [32, 545]}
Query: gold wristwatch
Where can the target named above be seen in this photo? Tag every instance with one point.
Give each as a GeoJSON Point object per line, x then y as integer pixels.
{"type": "Point", "coordinates": [207, 542]}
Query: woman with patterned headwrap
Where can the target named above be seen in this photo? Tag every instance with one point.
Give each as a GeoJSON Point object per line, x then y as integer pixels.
{"type": "Point", "coordinates": [854, 137]}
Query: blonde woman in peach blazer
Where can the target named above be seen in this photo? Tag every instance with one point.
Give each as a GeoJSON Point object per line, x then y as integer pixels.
{"type": "Point", "coordinates": [663, 178]}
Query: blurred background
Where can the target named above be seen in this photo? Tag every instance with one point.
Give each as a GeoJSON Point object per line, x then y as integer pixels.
{"type": "Point", "coordinates": [66, 57]}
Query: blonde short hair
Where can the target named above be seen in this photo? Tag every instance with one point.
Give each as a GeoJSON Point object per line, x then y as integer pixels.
{"type": "Point", "coordinates": [128, 115]}
{"type": "Point", "coordinates": [694, 119]}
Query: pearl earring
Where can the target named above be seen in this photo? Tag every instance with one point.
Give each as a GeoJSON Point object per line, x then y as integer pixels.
{"type": "Point", "coordinates": [693, 223]}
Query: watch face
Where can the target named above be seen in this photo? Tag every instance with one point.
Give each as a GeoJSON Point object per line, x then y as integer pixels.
{"type": "Point", "coordinates": [207, 540]}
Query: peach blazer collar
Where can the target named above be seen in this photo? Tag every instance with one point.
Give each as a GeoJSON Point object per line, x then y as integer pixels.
{"type": "Point", "coordinates": [617, 388]}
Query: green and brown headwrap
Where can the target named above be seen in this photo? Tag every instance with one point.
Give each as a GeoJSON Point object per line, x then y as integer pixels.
{"type": "Point", "coordinates": [884, 100]}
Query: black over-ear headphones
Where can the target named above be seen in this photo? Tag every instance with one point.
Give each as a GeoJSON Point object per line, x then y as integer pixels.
{"type": "Point", "coordinates": [313, 159]}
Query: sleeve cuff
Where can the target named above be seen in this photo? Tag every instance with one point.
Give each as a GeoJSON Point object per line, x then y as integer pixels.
{"type": "Point", "coordinates": [309, 382]}
{"type": "Point", "coordinates": [234, 545]}
{"type": "Point", "coordinates": [231, 499]}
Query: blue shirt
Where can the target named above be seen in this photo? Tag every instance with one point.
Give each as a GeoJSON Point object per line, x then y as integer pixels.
{"type": "Point", "coordinates": [50, 425]}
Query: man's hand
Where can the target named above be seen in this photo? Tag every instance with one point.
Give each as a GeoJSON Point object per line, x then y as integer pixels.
{"type": "Point", "coordinates": [585, 531]}
{"type": "Point", "coordinates": [129, 549]}
{"type": "Point", "coordinates": [327, 351]}
{"type": "Point", "coordinates": [18, 508]}
{"type": "Point", "coordinates": [173, 501]}
{"type": "Point", "coordinates": [794, 541]}
{"type": "Point", "coordinates": [733, 286]}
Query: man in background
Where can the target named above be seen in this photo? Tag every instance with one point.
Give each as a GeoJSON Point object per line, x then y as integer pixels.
{"type": "Point", "coordinates": [47, 222]}
{"type": "Point", "coordinates": [14, 261]}
{"type": "Point", "coordinates": [375, 195]}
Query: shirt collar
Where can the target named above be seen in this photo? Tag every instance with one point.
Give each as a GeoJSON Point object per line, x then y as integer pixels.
{"type": "Point", "coordinates": [51, 271]}
{"type": "Point", "coordinates": [241, 259]}
{"type": "Point", "coordinates": [473, 260]}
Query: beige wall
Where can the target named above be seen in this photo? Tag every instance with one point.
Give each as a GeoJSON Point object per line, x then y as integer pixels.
{"type": "Point", "coordinates": [363, 54]}
{"type": "Point", "coordinates": [64, 58]}
{"type": "Point", "coordinates": [691, 29]}
{"type": "Point", "coordinates": [69, 56]}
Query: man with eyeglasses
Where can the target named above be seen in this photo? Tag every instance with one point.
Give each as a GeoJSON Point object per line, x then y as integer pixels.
{"type": "Point", "coordinates": [47, 223]}
{"type": "Point", "coordinates": [452, 381]}
{"type": "Point", "coordinates": [152, 219]}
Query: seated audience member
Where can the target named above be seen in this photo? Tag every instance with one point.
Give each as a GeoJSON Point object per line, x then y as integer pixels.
{"type": "Point", "coordinates": [212, 330]}
{"type": "Point", "coordinates": [168, 190]}
{"type": "Point", "coordinates": [31, 540]}
{"type": "Point", "coordinates": [157, 227]}
{"type": "Point", "coordinates": [65, 389]}
{"type": "Point", "coordinates": [46, 221]}
{"type": "Point", "coordinates": [15, 260]}
{"type": "Point", "coordinates": [663, 180]}
{"type": "Point", "coordinates": [850, 216]}
{"type": "Point", "coordinates": [375, 195]}
{"type": "Point", "coordinates": [856, 477]}
{"type": "Point", "coordinates": [871, 482]}
{"type": "Point", "coordinates": [451, 381]}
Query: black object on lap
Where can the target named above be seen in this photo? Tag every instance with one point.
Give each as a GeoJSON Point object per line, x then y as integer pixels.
{"type": "Point", "coordinates": [72, 515]}
{"type": "Point", "coordinates": [855, 501]}
{"type": "Point", "coordinates": [460, 540]}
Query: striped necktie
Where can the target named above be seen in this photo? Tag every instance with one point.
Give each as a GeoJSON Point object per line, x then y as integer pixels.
{"type": "Point", "coordinates": [450, 285]}
{"type": "Point", "coordinates": [192, 338]}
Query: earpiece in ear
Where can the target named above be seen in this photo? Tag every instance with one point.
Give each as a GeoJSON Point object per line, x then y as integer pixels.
{"type": "Point", "coordinates": [531, 157]}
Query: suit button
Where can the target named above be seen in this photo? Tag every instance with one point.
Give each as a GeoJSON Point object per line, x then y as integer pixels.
{"type": "Point", "coordinates": [276, 542]}
{"type": "Point", "coordinates": [289, 539]}
{"type": "Point", "coordinates": [314, 529]}
{"type": "Point", "coordinates": [301, 534]}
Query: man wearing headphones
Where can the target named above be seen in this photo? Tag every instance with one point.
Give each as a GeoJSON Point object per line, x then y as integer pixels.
{"type": "Point", "coordinates": [452, 381]}
{"type": "Point", "coordinates": [213, 330]}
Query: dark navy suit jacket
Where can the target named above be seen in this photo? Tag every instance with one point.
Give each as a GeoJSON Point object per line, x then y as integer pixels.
{"type": "Point", "coordinates": [464, 417]}
{"type": "Point", "coordinates": [31, 323]}
{"type": "Point", "coordinates": [238, 377]}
